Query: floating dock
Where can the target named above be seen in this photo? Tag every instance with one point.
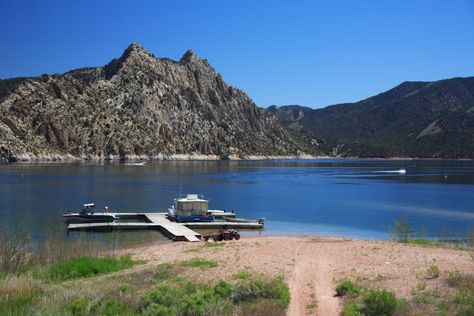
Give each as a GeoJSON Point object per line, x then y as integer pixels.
{"type": "Point", "coordinates": [173, 230]}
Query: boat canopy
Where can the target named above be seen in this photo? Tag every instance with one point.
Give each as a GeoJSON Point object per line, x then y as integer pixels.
{"type": "Point", "coordinates": [88, 205]}
{"type": "Point", "coordinates": [192, 205]}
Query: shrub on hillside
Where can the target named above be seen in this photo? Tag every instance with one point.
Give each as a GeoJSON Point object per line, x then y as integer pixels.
{"type": "Point", "coordinates": [346, 287]}
{"type": "Point", "coordinates": [379, 303]}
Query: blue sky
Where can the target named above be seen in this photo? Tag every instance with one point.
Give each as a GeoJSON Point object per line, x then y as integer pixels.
{"type": "Point", "coordinates": [312, 53]}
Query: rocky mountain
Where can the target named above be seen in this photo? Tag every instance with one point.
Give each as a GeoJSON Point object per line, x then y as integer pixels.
{"type": "Point", "coordinates": [135, 106]}
{"type": "Point", "coordinates": [414, 119]}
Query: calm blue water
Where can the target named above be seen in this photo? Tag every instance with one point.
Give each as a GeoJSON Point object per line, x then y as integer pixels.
{"type": "Point", "coordinates": [342, 197]}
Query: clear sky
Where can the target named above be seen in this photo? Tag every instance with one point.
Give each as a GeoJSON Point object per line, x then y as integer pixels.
{"type": "Point", "coordinates": [312, 53]}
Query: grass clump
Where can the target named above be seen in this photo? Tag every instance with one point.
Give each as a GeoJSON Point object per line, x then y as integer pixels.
{"type": "Point", "coordinates": [243, 275]}
{"type": "Point", "coordinates": [214, 244]}
{"type": "Point", "coordinates": [260, 287]}
{"type": "Point", "coordinates": [464, 301]}
{"type": "Point", "coordinates": [460, 280]}
{"type": "Point", "coordinates": [347, 288]}
{"type": "Point", "coordinates": [190, 299]}
{"type": "Point", "coordinates": [18, 294]}
{"type": "Point", "coordinates": [432, 272]}
{"type": "Point", "coordinates": [223, 289]}
{"type": "Point", "coordinates": [105, 307]}
{"type": "Point", "coordinates": [163, 271]}
{"type": "Point", "coordinates": [15, 251]}
{"type": "Point", "coordinates": [195, 250]}
{"type": "Point", "coordinates": [379, 303]}
{"type": "Point", "coordinates": [84, 267]}
{"type": "Point", "coordinates": [199, 263]}
{"type": "Point", "coordinates": [370, 302]}
{"type": "Point", "coordinates": [424, 297]}
{"type": "Point", "coordinates": [426, 242]}
{"type": "Point", "coordinates": [352, 309]}
{"type": "Point", "coordinates": [311, 307]}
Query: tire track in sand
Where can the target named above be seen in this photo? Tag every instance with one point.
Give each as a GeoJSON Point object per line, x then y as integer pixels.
{"type": "Point", "coordinates": [312, 282]}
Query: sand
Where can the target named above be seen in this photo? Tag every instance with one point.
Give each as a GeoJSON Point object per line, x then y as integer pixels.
{"type": "Point", "coordinates": [312, 265]}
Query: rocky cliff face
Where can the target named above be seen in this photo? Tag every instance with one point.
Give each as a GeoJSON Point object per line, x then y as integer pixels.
{"type": "Point", "coordinates": [137, 105]}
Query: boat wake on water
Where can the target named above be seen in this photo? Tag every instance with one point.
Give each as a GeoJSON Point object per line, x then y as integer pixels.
{"type": "Point", "coordinates": [136, 164]}
{"type": "Point", "coordinates": [399, 171]}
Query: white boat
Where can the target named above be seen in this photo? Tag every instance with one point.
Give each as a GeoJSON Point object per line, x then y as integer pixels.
{"type": "Point", "coordinates": [88, 215]}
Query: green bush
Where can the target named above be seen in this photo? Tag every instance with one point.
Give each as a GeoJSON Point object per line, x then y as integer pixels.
{"type": "Point", "coordinates": [346, 287]}
{"type": "Point", "coordinates": [379, 303]}
{"type": "Point", "coordinates": [352, 309]}
{"type": "Point", "coordinates": [223, 289]}
{"type": "Point", "coordinates": [83, 267]}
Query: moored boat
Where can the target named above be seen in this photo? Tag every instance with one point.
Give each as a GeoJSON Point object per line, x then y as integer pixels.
{"type": "Point", "coordinates": [190, 209]}
{"type": "Point", "coordinates": [88, 215]}
{"type": "Point", "coordinates": [261, 220]}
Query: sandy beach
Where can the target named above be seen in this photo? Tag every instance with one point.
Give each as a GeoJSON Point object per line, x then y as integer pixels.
{"type": "Point", "coordinates": [312, 265]}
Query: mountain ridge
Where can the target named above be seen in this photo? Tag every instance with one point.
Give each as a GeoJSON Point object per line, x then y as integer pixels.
{"type": "Point", "coordinates": [414, 119]}
{"type": "Point", "coordinates": [141, 106]}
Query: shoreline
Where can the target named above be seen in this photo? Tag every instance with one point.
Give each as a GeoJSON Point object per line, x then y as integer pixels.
{"type": "Point", "coordinates": [56, 158]}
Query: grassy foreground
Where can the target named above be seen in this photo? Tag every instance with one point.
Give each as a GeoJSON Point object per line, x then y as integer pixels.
{"type": "Point", "coordinates": [78, 288]}
{"type": "Point", "coordinates": [79, 278]}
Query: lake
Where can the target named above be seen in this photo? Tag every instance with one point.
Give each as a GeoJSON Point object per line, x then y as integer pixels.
{"type": "Point", "coordinates": [339, 197]}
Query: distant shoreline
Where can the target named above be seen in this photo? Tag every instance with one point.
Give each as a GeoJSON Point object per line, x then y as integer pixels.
{"type": "Point", "coordinates": [25, 158]}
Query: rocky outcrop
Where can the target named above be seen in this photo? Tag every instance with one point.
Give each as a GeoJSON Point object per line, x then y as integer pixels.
{"type": "Point", "coordinates": [135, 106]}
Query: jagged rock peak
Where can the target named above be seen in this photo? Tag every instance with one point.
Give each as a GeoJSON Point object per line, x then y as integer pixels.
{"type": "Point", "coordinates": [189, 56]}
{"type": "Point", "coordinates": [135, 49]}
{"type": "Point", "coordinates": [135, 46]}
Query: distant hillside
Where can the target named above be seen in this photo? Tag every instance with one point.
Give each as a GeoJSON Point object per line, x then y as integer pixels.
{"type": "Point", "coordinates": [135, 106]}
{"type": "Point", "coordinates": [414, 119]}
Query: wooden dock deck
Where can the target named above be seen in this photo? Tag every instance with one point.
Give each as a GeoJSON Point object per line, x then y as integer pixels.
{"type": "Point", "coordinates": [173, 230]}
